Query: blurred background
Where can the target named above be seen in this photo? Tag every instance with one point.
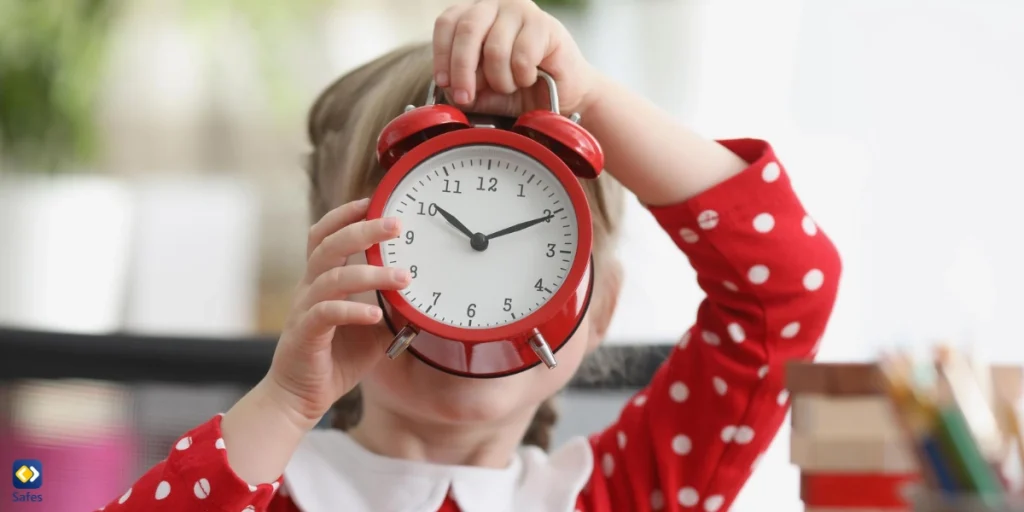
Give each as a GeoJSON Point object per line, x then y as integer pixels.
{"type": "Point", "coordinates": [151, 181]}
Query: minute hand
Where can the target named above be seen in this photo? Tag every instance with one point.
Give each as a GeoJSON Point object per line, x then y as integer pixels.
{"type": "Point", "coordinates": [519, 227]}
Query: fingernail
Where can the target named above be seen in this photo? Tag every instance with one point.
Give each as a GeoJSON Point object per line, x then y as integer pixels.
{"type": "Point", "coordinates": [441, 79]}
{"type": "Point", "coordinates": [363, 202]}
{"type": "Point", "coordinates": [373, 312]}
{"type": "Point", "coordinates": [400, 274]}
{"type": "Point", "coordinates": [390, 223]}
{"type": "Point", "coordinates": [461, 96]}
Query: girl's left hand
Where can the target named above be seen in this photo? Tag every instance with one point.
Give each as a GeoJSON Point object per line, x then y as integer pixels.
{"type": "Point", "coordinates": [486, 56]}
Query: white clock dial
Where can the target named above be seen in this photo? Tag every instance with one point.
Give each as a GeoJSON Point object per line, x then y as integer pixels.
{"type": "Point", "coordinates": [487, 189]}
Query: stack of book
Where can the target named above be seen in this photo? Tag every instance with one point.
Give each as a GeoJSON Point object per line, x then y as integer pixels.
{"type": "Point", "coordinates": [851, 442]}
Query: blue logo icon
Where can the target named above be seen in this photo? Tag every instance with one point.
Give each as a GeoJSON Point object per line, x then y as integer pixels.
{"type": "Point", "coordinates": [28, 474]}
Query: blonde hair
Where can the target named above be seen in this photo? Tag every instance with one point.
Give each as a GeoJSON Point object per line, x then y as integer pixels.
{"type": "Point", "coordinates": [343, 126]}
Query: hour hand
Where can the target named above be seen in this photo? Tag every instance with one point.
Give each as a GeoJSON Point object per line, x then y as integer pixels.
{"type": "Point", "coordinates": [519, 227]}
{"type": "Point", "coordinates": [454, 222]}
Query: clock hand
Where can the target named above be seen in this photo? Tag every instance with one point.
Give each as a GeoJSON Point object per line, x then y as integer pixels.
{"type": "Point", "coordinates": [519, 227]}
{"type": "Point", "coordinates": [454, 222]}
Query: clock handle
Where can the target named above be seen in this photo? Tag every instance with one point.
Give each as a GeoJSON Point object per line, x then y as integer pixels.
{"type": "Point", "coordinates": [402, 341]}
{"type": "Point", "coordinates": [541, 348]}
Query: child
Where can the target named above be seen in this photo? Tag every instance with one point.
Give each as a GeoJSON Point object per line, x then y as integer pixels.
{"type": "Point", "coordinates": [412, 438]}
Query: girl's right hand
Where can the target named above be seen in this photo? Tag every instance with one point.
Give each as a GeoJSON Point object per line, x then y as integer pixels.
{"type": "Point", "coordinates": [331, 341]}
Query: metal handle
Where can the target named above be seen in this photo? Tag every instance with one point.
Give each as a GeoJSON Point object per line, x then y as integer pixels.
{"type": "Point", "coordinates": [552, 91]}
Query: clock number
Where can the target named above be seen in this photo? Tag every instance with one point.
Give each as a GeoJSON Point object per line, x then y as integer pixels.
{"type": "Point", "coordinates": [492, 186]}
{"type": "Point", "coordinates": [448, 189]}
{"type": "Point", "coordinates": [520, 191]}
{"type": "Point", "coordinates": [471, 310]}
{"type": "Point", "coordinates": [412, 270]}
{"type": "Point", "coordinates": [539, 286]}
{"type": "Point", "coordinates": [409, 237]}
{"type": "Point", "coordinates": [437, 295]}
{"type": "Point", "coordinates": [551, 251]}
{"type": "Point", "coordinates": [547, 213]}
{"type": "Point", "coordinates": [432, 209]}
{"type": "Point", "coordinates": [508, 304]}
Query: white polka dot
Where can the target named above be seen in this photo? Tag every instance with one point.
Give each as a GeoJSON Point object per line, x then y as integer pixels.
{"type": "Point", "coordinates": [219, 444]}
{"type": "Point", "coordinates": [809, 226]}
{"type": "Point", "coordinates": [250, 508]}
{"type": "Point", "coordinates": [720, 386]}
{"type": "Point", "coordinates": [736, 332]}
{"type": "Point", "coordinates": [275, 485]}
{"type": "Point", "coordinates": [764, 222]}
{"type": "Point", "coordinates": [771, 172]}
{"type": "Point", "coordinates": [814, 279]}
{"type": "Point", "coordinates": [163, 490]}
{"type": "Point", "coordinates": [790, 330]}
{"type": "Point", "coordinates": [744, 435]}
{"type": "Point", "coordinates": [679, 392]}
{"type": "Point", "coordinates": [183, 444]}
{"type": "Point", "coordinates": [685, 340]}
{"type": "Point", "coordinates": [252, 488]}
{"type": "Point", "coordinates": [728, 433]}
{"type": "Point", "coordinates": [710, 338]}
{"type": "Point", "coordinates": [657, 500]}
{"type": "Point", "coordinates": [713, 503]}
{"type": "Point", "coordinates": [608, 464]}
{"type": "Point", "coordinates": [124, 497]}
{"type": "Point", "coordinates": [731, 286]}
{"type": "Point", "coordinates": [202, 489]}
{"type": "Point", "coordinates": [762, 371]}
{"type": "Point", "coordinates": [707, 219]}
{"type": "Point", "coordinates": [783, 397]}
{"type": "Point", "coordinates": [681, 444]}
{"type": "Point", "coordinates": [621, 438]}
{"type": "Point", "coordinates": [688, 496]}
{"type": "Point", "coordinates": [758, 274]}
{"type": "Point", "coordinates": [689, 236]}
{"type": "Point", "coordinates": [640, 400]}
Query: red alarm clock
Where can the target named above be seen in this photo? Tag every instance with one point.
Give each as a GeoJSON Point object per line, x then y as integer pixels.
{"type": "Point", "coordinates": [496, 233]}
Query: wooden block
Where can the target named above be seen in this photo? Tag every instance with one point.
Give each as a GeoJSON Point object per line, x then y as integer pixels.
{"type": "Point", "coordinates": [833, 379]}
{"type": "Point", "coordinates": [855, 490]}
{"type": "Point", "coordinates": [817, 455]}
{"type": "Point", "coordinates": [852, 417]}
{"type": "Point", "coordinates": [856, 379]}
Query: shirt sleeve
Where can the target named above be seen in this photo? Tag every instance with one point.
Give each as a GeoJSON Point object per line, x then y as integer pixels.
{"type": "Point", "coordinates": [690, 439]}
{"type": "Point", "coordinates": [195, 477]}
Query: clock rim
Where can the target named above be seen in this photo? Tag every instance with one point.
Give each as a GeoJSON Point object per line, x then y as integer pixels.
{"type": "Point", "coordinates": [531, 148]}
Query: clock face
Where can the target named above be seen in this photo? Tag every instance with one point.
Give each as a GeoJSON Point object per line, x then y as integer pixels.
{"type": "Point", "coordinates": [524, 235]}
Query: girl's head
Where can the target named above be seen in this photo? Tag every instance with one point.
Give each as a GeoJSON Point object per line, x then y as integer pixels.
{"type": "Point", "coordinates": [343, 127]}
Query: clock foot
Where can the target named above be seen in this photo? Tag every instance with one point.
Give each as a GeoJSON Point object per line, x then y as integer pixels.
{"type": "Point", "coordinates": [402, 341]}
{"type": "Point", "coordinates": [541, 348]}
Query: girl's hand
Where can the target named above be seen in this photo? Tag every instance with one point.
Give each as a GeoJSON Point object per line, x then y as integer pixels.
{"type": "Point", "coordinates": [486, 56]}
{"type": "Point", "coordinates": [330, 342]}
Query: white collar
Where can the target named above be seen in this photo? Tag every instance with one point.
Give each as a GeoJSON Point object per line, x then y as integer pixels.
{"type": "Point", "coordinates": [330, 470]}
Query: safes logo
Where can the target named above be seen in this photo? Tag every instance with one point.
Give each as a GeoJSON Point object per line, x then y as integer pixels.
{"type": "Point", "coordinates": [28, 474]}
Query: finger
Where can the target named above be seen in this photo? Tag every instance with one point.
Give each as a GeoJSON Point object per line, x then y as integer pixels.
{"type": "Point", "coordinates": [497, 52]}
{"type": "Point", "coordinates": [323, 317]}
{"type": "Point", "coordinates": [467, 43]}
{"type": "Point", "coordinates": [339, 282]}
{"type": "Point", "coordinates": [349, 240]}
{"type": "Point", "coordinates": [333, 221]}
{"type": "Point", "coordinates": [528, 51]}
{"type": "Point", "coordinates": [444, 33]}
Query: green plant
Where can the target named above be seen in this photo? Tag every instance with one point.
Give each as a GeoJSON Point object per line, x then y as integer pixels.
{"type": "Point", "coordinates": [50, 60]}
